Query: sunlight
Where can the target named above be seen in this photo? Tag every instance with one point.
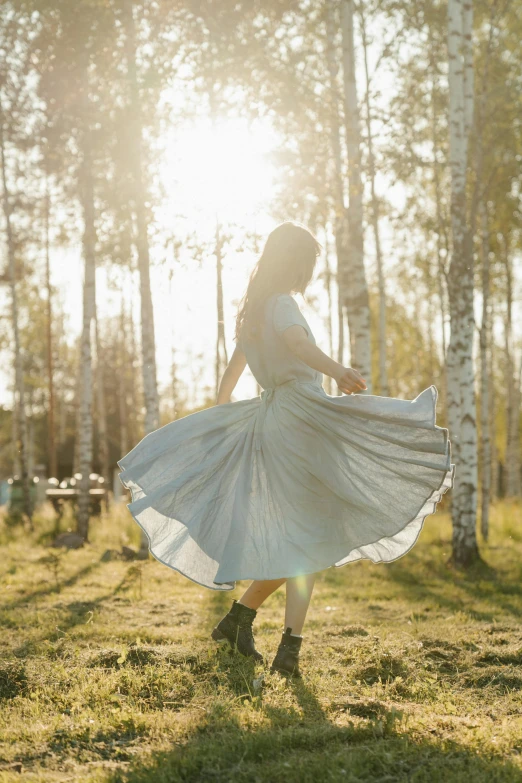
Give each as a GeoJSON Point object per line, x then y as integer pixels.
{"type": "Point", "coordinates": [221, 170]}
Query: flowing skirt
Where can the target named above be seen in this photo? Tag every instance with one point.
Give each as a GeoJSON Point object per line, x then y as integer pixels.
{"type": "Point", "coordinates": [289, 483]}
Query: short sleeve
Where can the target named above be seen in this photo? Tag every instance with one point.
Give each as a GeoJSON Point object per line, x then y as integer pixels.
{"type": "Point", "coordinates": [287, 313]}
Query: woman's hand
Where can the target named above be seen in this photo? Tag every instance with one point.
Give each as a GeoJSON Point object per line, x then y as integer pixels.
{"type": "Point", "coordinates": [349, 380]}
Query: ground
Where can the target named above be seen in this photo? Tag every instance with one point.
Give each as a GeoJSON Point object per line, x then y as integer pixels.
{"type": "Point", "coordinates": [412, 670]}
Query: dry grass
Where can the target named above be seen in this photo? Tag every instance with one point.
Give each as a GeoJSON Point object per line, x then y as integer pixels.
{"type": "Point", "coordinates": [413, 672]}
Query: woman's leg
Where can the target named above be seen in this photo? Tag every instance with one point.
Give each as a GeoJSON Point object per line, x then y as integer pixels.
{"type": "Point", "coordinates": [298, 594]}
{"type": "Point", "coordinates": [259, 591]}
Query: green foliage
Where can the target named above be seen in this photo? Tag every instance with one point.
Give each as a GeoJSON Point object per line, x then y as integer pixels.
{"type": "Point", "coordinates": [412, 670]}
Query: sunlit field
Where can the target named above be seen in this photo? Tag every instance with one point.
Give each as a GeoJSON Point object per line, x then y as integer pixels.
{"type": "Point", "coordinates": [413, 670]}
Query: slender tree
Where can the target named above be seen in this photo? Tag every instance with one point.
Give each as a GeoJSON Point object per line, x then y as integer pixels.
{"type": "Point", "coordinates": [383, 370]}
{"type": "Point", "coordinates": [86, 190]}
{"type": "Point", "coordinates": [101, 414]}
{"type": "Point", "coordinates": [461, 388]}
{"type": "Point", "coordinates": [19, 406]}
{"type": "Point", "coordinates": [148, 343]}
{"type": "Point", "coordinates": [512, 383]}
{"type": "Point", "coordinates": [340, 222]}
{"type": "Point", "coordinates": [485, 379]}
{"type": "Point", "coordinates": [356, 292]}
{"type": "Point", "coordinates": [53, 466]}
{"type": "Point", "coordinates": [221, 347]}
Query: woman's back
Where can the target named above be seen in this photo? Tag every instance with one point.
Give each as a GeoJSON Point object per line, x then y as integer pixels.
{"type": "Point", "coordinates": [270, 360]}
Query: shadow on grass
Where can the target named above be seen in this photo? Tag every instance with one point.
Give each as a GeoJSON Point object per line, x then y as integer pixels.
{"type": "Point", "coordinates": [481, 583]}
{"type": "Point", "coordinates": [78, 614]}
{"type": "Point", "coordinates": [304, 746]}
{"type": "Point", "coordinates": [51, 587]}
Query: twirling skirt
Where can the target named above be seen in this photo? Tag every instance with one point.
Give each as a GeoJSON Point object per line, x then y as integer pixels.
{"type": "Point", "coordinates": [289, 483]}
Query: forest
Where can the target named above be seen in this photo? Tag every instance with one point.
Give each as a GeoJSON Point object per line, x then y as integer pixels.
{"type": "Point", "coordinates": [147, 148]}
{"type": "Point", "coordinates": [391, 130]}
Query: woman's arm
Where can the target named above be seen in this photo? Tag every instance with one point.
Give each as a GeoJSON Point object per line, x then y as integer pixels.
{"type": "Point", "coordinates": [348, 380]}
{"type": "Point", "coordinates": [231, 376]}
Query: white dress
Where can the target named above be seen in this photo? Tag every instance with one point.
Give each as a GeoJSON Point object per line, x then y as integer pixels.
{"type": "Point", "coordinates": [291, 482]}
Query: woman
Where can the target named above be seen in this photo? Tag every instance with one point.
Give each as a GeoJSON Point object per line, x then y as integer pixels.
{"type": "Point", "coordinates": [282, 486]}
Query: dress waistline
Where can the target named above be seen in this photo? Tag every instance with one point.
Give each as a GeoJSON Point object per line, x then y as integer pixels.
{"type": "Point", "coordinates": [265, 399]}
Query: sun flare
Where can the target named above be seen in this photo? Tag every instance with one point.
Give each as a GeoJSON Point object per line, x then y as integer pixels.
{"type": "Point", "coordinates": [220, 170]}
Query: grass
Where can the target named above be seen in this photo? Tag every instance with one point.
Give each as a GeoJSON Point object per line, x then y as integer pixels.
{"type": "Point", "coordinates": [413, 671]}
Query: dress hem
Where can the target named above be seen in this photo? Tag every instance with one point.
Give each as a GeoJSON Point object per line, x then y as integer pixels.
{"type": "Point", "coordinates": [220, 586]}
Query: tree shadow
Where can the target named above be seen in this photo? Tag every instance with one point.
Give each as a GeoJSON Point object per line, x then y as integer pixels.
{"type": "Point", "coordinates": [78, 613]}
{"type": "Point", "coordinates": [304, 745]}
{"type": "Point", "coordinates": [482, 582]}
{"type": "Point", "coordinates": [51, 587]}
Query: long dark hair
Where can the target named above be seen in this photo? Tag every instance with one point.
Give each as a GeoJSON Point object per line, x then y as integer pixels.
{"type": "Point", "coordinates": [286, 264]}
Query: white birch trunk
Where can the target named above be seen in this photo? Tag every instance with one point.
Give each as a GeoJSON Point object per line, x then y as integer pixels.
{"type": "Point", "coordinates": [356, 293]}
{"type": "Point", "coordinates": [340, 223]}
{"type": "Point", "coordinates": [460, 368]}
{"type": "Point", "coordinates": [383, 370]}
{"type": "Point", "coordinates": [19, 407]}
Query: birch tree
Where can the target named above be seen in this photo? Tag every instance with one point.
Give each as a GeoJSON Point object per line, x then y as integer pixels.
{"type": "Point", "coordinates": [460, 370]}
{"type": "Point", "coordinates": [383, 370]}
{"type": "Point", "coordinates": [356, 290]}
{"type": "Point", "coordinates": [340, 222]}
{"type": "Point", "coordinates": [19, 411]}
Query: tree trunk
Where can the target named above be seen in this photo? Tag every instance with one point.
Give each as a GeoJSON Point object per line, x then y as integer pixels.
{"type": "Point", "coordinates": [340, 223]}
{"type": "Point", "coordinates": [30, 436]}
{"type": "Point", "coordinates": [484, 380]}
{"type": "Point", "coordinates": [148, 342]}
{"type": "Point", "coordinates": [460, 371]}
{"type": "Point", "coordinates": [122, 385]}
{"type": "Point", "coordinates": [441, 272]}
{"type": "Point", "coordinates": [103, 444]}
{"type": "Point", "coordinates": [383, 371]}
{"type": "Point", "coordinates": [15, 453]}
{"type": "Point", "coordinates": [53, 467]}
{"type": "Point", "coordinates": [493, 409]}
{"type": "Point", "coordinates": [356, 292]}
{"type": "Point", "coordinates": [86, 190]}
{"type": "Point", "coordinates": [19, 407]}
{"type": "Point", "coordinates": [328, 288]}
{"type": "Point", "coordinates": [512, 462]}
{"type": "Point", "coordinates": [221, 348]}
{"type": "Point", "coordinates": [77, 414]}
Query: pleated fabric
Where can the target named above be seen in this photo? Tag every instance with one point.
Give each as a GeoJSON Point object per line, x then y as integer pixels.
{"type": "Point", "coordinates": [292, 482]}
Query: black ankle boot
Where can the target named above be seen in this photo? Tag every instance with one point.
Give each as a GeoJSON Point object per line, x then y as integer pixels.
{"type": "Point", "coordinates": [286, 660]}
{"type": "Point", "coordinates": [236, 627]}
